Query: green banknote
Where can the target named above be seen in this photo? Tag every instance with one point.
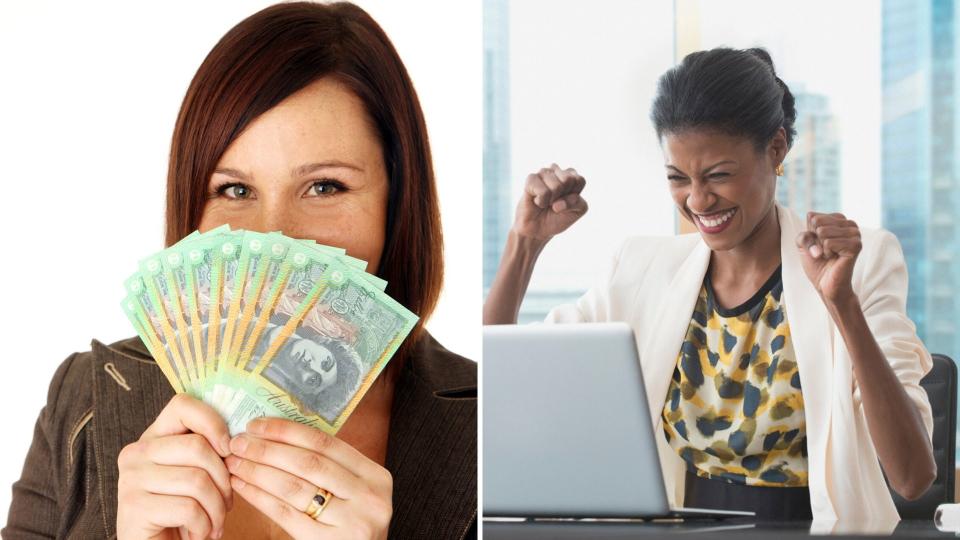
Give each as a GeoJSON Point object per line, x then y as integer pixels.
{"type": "Point", "coordinates": [261, 324]}
{"type": "Point", "coordinates": [150, 325]}
{"type": "Point", "coordinates": [322, 355]}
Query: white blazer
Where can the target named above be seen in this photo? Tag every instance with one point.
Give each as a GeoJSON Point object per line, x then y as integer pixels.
{"type": "Point", "coordinates": [653, 285]}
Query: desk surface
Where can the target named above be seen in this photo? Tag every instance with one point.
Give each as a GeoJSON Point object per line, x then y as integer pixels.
{"type": "Point", "coordinates": [741, 528]}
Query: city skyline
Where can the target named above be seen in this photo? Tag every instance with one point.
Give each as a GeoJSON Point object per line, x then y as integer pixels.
{"type": "Point", "coordinates": [920, 180]}
{"type": "Point", "coordinates": [811, 180]}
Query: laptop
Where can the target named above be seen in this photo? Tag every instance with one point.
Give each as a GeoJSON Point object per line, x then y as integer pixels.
{"type": "Point", "coordinates": [566, 427]}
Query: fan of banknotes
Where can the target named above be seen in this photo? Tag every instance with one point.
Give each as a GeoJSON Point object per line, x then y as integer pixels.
{"type": "Point", "coordinates": [260, 324]}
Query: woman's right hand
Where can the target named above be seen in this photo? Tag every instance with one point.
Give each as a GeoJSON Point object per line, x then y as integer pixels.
{"type": "Point", "coordinates": [551, 202]}
{"type": "Point", "coordinates": [173, 481]}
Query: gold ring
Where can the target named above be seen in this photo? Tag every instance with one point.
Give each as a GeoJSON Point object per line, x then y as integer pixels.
{"type": "Point", "coordinates": [318, 503]}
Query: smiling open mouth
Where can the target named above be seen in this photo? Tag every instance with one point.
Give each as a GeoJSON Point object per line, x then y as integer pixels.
{"type": "Point", "coordinates": [715, 222]}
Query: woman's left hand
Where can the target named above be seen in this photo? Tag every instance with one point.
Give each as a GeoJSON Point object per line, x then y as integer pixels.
{"type": "Point", "coordinates": [828, 251]}
{"type": "Point", "coordinates": [278, 465]}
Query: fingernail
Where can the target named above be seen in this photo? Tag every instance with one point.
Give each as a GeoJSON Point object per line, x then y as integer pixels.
{"type": "Point", "coordinates": [238, 444]}
{"type": "Point", "coordinates": [816, 252]}
{"type": "Point", "coordinates": [255, 425]}
{"type": "Point", "coordinates": [561, 206]}
{"type": "Point", "coordinates": [225, 445]}
{"type": "Point", "coordinates": [237, 483]}
{"type": "Point", "coordinates": [218, 533]}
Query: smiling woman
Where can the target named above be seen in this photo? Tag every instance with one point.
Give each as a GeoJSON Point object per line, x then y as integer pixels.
{"type": "Point", "coordinates": [302, 119]}
{"type": "Point", "coordinates": [326, 88]}
{"type": "Point", "coordinates": [772, 340]}
{"type": "Point", "coordinates": [312, 167]}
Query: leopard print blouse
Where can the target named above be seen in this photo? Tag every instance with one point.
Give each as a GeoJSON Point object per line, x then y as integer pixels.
{"type": "Point", "coordinates": [734, 407]}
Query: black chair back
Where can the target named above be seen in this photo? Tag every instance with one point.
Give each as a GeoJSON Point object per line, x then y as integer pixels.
{"type": "Point", "coordinates": [941, 387]}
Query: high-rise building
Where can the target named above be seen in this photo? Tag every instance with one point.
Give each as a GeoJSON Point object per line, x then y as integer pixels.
{"type": "Point", "coordinates": [496, 135]}
{"type": "Point", "coordinates": [811, 180]}
{"type": "Point", "coordinates": [921, 191]}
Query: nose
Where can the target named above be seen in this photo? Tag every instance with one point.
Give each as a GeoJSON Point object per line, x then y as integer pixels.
{"type": "Point", "coordinates": [309, 377]}
{"type": "Point", "coordinates": [700, 199]}
{"type": "Point", "coordinates": [276, 215]}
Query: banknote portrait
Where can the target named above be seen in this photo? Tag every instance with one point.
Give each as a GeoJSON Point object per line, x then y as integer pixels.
{"type": "Point", "coordinates": [320, 373]}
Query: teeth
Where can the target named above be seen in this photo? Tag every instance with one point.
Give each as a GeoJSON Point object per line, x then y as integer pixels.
{"type": "Point", "coordinates": [716, 222]}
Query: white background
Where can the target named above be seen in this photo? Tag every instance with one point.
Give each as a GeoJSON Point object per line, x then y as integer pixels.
{"type": "Point", "coordinates": [90, 95]}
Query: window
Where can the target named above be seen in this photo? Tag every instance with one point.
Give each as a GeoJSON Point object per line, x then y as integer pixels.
{"type": "Point", "coordinates": [876, 123]}
{"type": "Point", "coordinates": [580, 83]}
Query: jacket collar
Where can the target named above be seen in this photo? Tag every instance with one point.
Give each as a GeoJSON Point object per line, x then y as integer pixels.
{"type": "Point", "coordinates": [811, 333]}
{"type": "Point", "coordinates": [431, 449]}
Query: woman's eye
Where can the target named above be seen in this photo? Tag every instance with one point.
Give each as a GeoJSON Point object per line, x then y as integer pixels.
{"type": "Point", "coordinates": [675, 178]}
{"type": "Point", "coordinates": [326, 187]}
{"type": "Point", "coordinates": [234, 191]}
{"type": "Point", "coordinates": [327, 364]}
{"type": "Point", "coordinates": [719, 175]}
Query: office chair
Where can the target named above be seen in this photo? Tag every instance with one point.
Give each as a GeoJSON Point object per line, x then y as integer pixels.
{"type": "Point", "coordinates": [941, 387]}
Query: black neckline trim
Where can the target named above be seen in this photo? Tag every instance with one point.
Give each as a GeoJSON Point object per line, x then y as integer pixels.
{"type": "Point", "coordinates": [750, 303]}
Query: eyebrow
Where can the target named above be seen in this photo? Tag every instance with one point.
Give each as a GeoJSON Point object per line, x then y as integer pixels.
{"type": "Point", "coordinates": [708, 169]}
{"type": "Point", "coordinates": [332, 164]}
{"type": "Point", "coordinates": [302, 170]}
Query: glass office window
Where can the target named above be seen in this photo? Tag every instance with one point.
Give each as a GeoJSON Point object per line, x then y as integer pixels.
{"type": "Point", "coordinates": [579, 84]}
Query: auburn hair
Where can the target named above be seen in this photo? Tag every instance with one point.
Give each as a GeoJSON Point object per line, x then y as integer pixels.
{"type": "Point", "coordinates": [274, 53]}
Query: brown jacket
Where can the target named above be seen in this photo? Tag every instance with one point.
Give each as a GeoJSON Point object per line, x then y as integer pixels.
{"type": "Point", "coordinates": [103, 399]}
